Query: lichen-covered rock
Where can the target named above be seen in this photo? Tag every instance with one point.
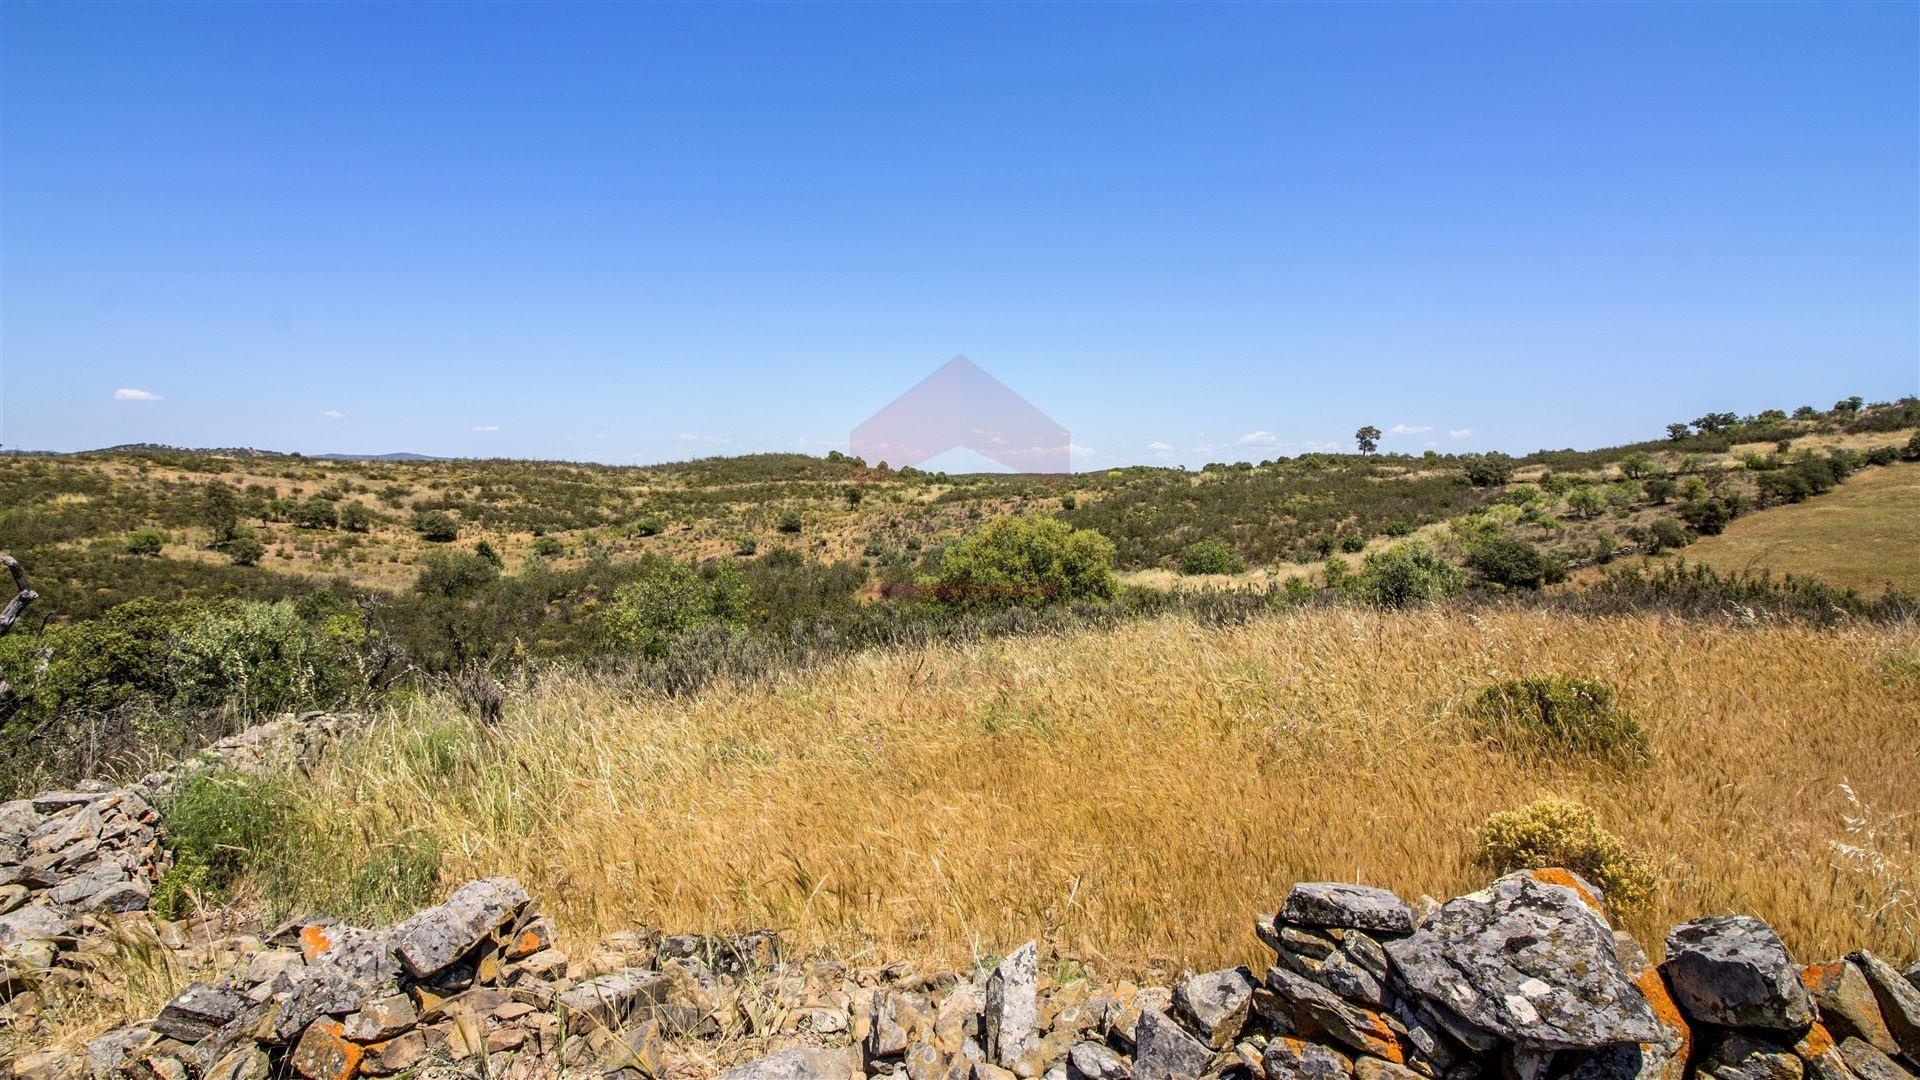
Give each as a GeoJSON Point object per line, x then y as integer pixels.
{"type": "Point", "coordinates": [1012, 1006]}
{"type": "Point", "coordinates": [301, 995]}
{"type": "Point", "coordinates": [324, 1053]}
{"type": "Point", "coordinates": [199, 1011]}
{"type": "Point", "coordinates": [1742, 1057]}
{"type": "Point", "coordinates": [1899, 1001]}
{"type": "Point", "coordinates": [1351, 907]}
{"type": "Point", "coordinates": [1847, 1004]}
{"type": "Point", "coordinates": [1162, 1049]}
{"type": "Point", "coordinates": [1529, 961]}
{"type": "Point", "coordinates": [432, 940]}
{"type": "Point", "coordinates": [617, 998]}
{"type": "Point", "coordinates": [1733, 970]}
{"type": "Point", "coordinates": [1372, 1068]}
{"type": "Point", "coordinates": [1094, 1061]}
{"type": "Point", "coordinates": [1866, 1063]}
{"type": "Point", "coordinates": [796, 1064]}
{"type": "Point", "coordinates": [1215, 1004]}
{"type": "Point", "coordinates": [1296, 1059]}
{"type": "Point", "coordinates": [1315, 1010]}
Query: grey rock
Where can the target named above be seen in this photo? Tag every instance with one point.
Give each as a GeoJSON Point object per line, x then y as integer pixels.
{"type": "Point", "coordinates": [1742, 1057]}
{"type": "Point", "coordinates": [796, 1064]}
{"type": "Point", "coordinates": [1912, 974]}
{"type": "Point", "coordinates": [1093, 1061]}
{"type": "Point", "coordinates": [1870, 1064]}
{"type": "Point", "coordinates": [1294, 1059]}
{"type": "Point", "coordinates": [1312, 1007]}
{"type": "Point", "coordinates": [1162, 1049]}
{"type": "Point", "coordinates": [433, 939]}
{"type": "Point", "coordinates": [1372, 1068]}
{"type": "Point", "coordinates": [1846, 1003]}
{"type": "Point", "coordinates": [1338, 973]}
{"type": "Point", "coordinates": [1733, 971]}
{"type": "Point", "coordinates": [368, 957]}
{"type": "Point", "coordinates": [1215, 1004]}
{"type": "Point", "coordinates": [106, 1053]}
{"type": "Point", "coordinates": [1899, 1001]}
{"type": "Point", "coordinates": [381, 1018]}
{"type": "Point", "coordinates": [1013, 1014]}
{"type": "Point", "coordinates": [32, 923]}
{"type": "Point", "coordinates": [1353, 907]}
{"type": "Point", "coordinates": [199, 1011]}
{"type": "Point", "coordinates": [1528, 961]}
{"type": "Point", "coordinates": [301, 995]}
{"type": "Point", "coordinates": [618, 998]}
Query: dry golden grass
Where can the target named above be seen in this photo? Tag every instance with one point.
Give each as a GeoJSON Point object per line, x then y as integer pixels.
{"type": "Point", "coordinates": [1864, 534]}
{"type": "Point", "coordinates": [1136, 795]}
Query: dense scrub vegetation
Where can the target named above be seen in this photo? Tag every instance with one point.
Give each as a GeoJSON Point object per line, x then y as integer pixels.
{"type": "Point", "coordinates": [185, 593]}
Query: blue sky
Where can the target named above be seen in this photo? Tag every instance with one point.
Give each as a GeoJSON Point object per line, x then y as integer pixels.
{"type": "Point", "coordinates": [634, 233]}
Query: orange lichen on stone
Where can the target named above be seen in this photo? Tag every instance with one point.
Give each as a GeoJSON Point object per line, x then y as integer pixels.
{"type": "Point", "coordinates": [1817, 1041]}
{"type": "Point", "coordinates": [314, 941]}
{"type": "Point", "coordinates": [1654, 989]}
{"type": "Point", "coordinates": [530, 941]}
{"type": "Point", "coordinates": [324, 1053]}
{"type": "Point", "coordinates": [1818, 978]}
{"type": "Point", "coordinates": [1567, 879]}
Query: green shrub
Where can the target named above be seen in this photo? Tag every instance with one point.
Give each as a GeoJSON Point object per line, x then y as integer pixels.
{"type": "Point", "coordinates": [670, 600]}
{"type": "Point", "coordinates": [747, 547]}
{"type": "Point", "coordinates": [1353, 543]}
{"type": "Point", "coordinates": [790, 522]}
{"type": "Point", "coordinates": [1557, 712]}
{"type": "Point", "coordinates": [354, 516]}
{"type": "Point", "coordinates": [1911, 452]}
{"type": "Point", "coordinates": [548, 547]}
{"type": "Point", "coordinates": [450, 574]}
{"type": "Point", "coordinates": [436, 526]}
{"type": "Point", "coordinates": [145, 543]}
{"type": "Point", "coordinates": [1669, 533]}
{"type": "Point", "coordinates": [245, 549]}
{"type": "Point", "coordinates": [1708, 516]}
{"type": "Point", "coordinates": [1511, 563]}
{"type": "Point", "coordinates": [1488, 470]}
{"type": "Point", "coordinates": [1027, 560]}
{"type": "Point", "coordinates": [313, 513]}
{"type": "Point", "coordinates": [183, 882]}
{"type": "Point", "coordinates": [223, 824]}
{"type": "Point", "coordinates": [1560, 833]}
{"type": "Point", "coordinates": [1403, 574]}
{"type": "Point", "coordinates": [1211, 557]}
{"type": "Point", "coordinates": [1397, 528]}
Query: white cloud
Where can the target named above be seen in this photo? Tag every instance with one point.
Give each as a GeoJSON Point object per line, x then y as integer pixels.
{"type": "Point", "coordinates": [128, 393]}
{"type": "Point", "coordinates": [711, 440]}
{"type": "Point", "coordinates": [1257, 438]}
{"type": "Point", "coordinates": [486, 427]}
{"type": "Point", "coordinates": [1459, 433]}
{"type": "Point", "coordinates": [1409, 429]}
{"type": "Point", "coordinates": [1158, 447]}
{"type": "Point", "coordinates": [1076, 448]}
{"type": "Point", "coordinates": [334, 414]}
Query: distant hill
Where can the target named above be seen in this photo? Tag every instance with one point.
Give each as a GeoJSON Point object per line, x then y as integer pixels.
{"type": "Point", "coordinates": [401, 456]}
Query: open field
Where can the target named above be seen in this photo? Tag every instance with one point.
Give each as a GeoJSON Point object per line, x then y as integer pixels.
{"type": "Point", "coordinates": [1136, 794]}
{"type": "Point", "coordinates": [1864, 535]}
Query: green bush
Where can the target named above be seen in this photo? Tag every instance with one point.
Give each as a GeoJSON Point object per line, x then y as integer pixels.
{"type": "Point", "coordinates": [1403, 574]}
{"type": "Point", "coordinates": [245, 549]}
{"type": "Point", "coordinates": [1911, 452]}
{"type": "Point", "coordinates": [1560, 833]}
{"type": "Point", "coordinates": [1557, 712]}
{"type": "Point", "coordinates": [354, 516]}
{"type": "Point", "coordinates": [1026, 560]}
{"type": "Point", "coordinates": [548, 547]}
{"type": "Point", "coordinates": [1211, 557]}
{"type": "Point", "coordinates": [450, 574]}
{"type": "Point", "coordinates": [1512, 563]}
{"type": "Point", "coordinates": [668, 601]}
{"type": "Point", "coordinates": [313, 513]}
{"type": "Point", "coordinates": [1669, 533]}
{"type": "Point", "coordinates": [1353, 543]}
{"type": "Point", "coordinates": [145, 543]}
{"type": "Point", "coordinates": [790, 522]}
{"type": "Point", "coordinates": [223, 824]}
{"type": "Point", "coordinates": [436, 526]}
{"type": "Point", "coordinates": [1488, 470]}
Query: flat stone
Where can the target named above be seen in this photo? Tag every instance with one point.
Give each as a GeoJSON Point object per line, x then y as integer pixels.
{"type": "Point", "coordinates": [1094, 1061]}
{"type": "Point", "coordinates": [1870, 1064]}
{"type": "Point", "coordinates": [1742, 1057]}
{"type": "Point", "coordinates": [1296, 1059]}
{"type": "Point", "coordinates": [199, 1011]}
{"type": "Point", "coordinates": [382, 1018]}
{"type": "Point", "coordinates": [1732, 970]}
{"type": "Point", "coordinates": [32, 923]}
{"type": "Point", "coordinates": [1337, 972]}
{"type": "Point", "coordinates": [1314, 1009]}
{"type": "Point", "coordinates": [1820, 1056]}
{"type": "Point", "coordinates": [324, 1053]}
{"type": "Point", "coordinates": [301, 995]}
{"type": "Point", "coordinates": [1216, 1004]}
{"type": "Point", "coordinates": [1529, 961]}
{"type": "Point", "coordinates": [617, 998]}
{"type": "Point", "coordinates": [107, 1052]}
{"type": "Point", "coordinates": [1353, 907]}
{"type": "Point", "coordinates": [1012, 1018]}
{"type": "Point", "coordinates": [1162, 1049]}
{"type": "Point", "coordinates": [1372, 1068]}
{"type": "Point", "coordinates": [1898, 999]}
{"type": "Point", "coordinates": [1848, 1008]}
{"type": "Point", "coordinates": [800, 1063]}
{"type": "Point", "coordinates": [433, 939]}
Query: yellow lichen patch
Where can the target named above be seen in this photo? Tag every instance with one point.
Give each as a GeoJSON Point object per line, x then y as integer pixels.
{"type": "Point", "coordinates": [1817, 1041]}
{"type": "Point", "coordinates": [1567, 879]}
{"type": "Point", "coordinates": [314, 941]}
{"type": "Point", "coordinates": [1654, 989]}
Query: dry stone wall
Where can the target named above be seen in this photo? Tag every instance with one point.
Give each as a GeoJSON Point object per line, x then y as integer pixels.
{"type": "Point", "coordinates": [1524, 980]}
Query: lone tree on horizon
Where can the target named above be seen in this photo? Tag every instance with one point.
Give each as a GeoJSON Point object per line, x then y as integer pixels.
{"type": "Point", "coordinates": [1369, 439]}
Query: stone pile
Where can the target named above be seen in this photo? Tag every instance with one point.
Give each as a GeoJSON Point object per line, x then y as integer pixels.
{"type": "Point", "coordinates": [69, 860]}
{"type": "Point", "coordinates": [1525, 980]}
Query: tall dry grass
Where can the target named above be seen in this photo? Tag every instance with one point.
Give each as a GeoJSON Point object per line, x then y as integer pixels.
{"type": "Point", "coordinates": [1136, 795]}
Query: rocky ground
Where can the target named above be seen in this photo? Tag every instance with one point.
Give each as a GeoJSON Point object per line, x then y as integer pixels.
{"type": "Point", "coordinates": [1525, 980]}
